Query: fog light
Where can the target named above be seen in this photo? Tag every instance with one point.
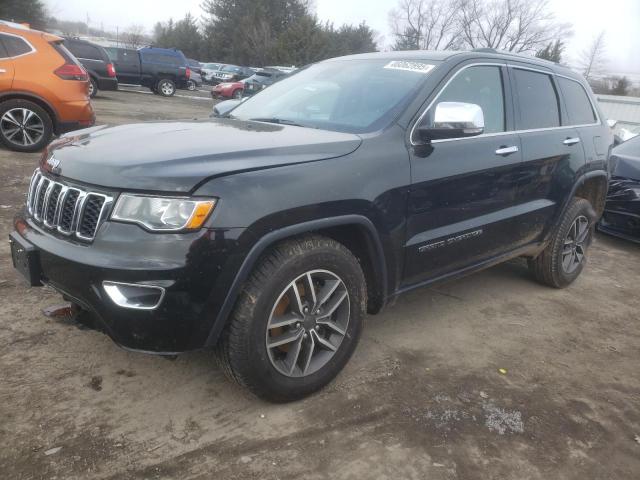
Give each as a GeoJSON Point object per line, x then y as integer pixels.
{"type": "Point", "coordinates": [134, 295]}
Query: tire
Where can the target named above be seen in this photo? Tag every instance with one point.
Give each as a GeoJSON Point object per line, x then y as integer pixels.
{"type": "Point", "coordinates": [243, 352]}
{"type": "Point", "coordinates": [93, 88]}
{"type": "Point", "coordinates": [191, 85]}
{"type": "Point", "coordinates": [237, 94]}
{"type": "Point", "coordinates": [39, 126]}
{"type": "Point", "coordinates": [564, 258]}
{"type": "Point", "coordinates": [166, 87]}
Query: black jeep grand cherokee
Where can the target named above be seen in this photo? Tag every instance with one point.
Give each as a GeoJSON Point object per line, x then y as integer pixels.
{"type": "Point", "coordinates": [270, 233]}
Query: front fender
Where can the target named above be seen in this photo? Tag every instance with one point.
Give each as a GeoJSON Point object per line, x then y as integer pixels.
{"type": "Point", "coordinates": [275, 236]}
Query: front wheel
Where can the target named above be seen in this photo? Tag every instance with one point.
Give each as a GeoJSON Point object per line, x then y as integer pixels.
{"type": "Point", "coordinates": [191, 85]}
{"type": "Point", "coordinates": [237, 94]}
{"type": "Point", "coordinates": [166, 87]}
{"type": "Point", "coordinates": [562, 261]}
{"type": "Point", "coordinates": [297, 321]}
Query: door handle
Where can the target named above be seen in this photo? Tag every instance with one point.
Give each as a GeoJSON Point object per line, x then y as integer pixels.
{"type": "Point", "coordinates": [571, 141]}
{"type": "Point", "coordinates": [506, 150]}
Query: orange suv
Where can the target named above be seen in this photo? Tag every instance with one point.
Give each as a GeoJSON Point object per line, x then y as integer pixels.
{"type": "Point", "coordinates": [43, 89]}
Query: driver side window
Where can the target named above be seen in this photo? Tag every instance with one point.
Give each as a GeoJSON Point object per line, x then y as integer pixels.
{"type": "Point", "coordinates": [479, 85]}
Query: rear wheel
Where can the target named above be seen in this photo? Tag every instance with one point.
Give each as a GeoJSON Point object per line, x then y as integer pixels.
{"type": "Point", "coordinates": [24, 126]}
{"type": "Point", "coordinates": [166, 87]}
{"type": "Point", "coordinates": [297, 321]}
{"type": "Point", "coordinates": [191, 85]}
{"type": "Point", "coordinates": [566, 255]}
{"type": "Point", "coordinates": [93, 88]}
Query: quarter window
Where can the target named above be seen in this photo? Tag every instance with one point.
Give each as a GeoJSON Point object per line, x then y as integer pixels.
{"type": "Point", "coordinates": [578, 104]}
{"type": "Point", "coordinates": [15, 46]}
{"type": "Point", "coordinates": [84, 50]}
{"type": "Point", "coordinates": [537, 98]}
{"type": "Point", "coordinates": [481, 85]}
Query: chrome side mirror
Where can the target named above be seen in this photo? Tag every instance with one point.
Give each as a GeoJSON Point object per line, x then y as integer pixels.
{"type": "Point", "coordinates": [453, 120]}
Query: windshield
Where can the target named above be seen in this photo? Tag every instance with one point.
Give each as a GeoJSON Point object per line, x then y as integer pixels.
{"type": "Point", "coordinates": [211, 66]}
{"type": "Point", "coordinates": [353, 96]}
{"type": "Point", "coordinates": [230, 68]}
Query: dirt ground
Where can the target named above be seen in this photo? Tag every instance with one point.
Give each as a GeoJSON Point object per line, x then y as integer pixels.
{"type": "Point", "coordinates": [422, 398]}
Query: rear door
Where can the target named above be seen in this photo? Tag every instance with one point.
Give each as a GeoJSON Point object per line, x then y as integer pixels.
{"type": "Point", "coordinates": [552, 150]}
{"type": "Point", "coordinates": [581, 113]}
{"type": "Point", "coordinates": [463, 190]}
{"type": "Point", "coordinates": [6, 67]}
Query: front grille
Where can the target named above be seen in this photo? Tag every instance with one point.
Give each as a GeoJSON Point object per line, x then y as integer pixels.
{"type": "Point", "coordinates": [68, 210]}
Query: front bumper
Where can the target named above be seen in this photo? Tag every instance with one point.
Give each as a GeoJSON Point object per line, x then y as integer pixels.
{"type": "Point", "coordinates": [195, 271]}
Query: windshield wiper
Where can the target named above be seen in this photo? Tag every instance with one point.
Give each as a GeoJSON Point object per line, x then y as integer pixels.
{"type": "Point", "coordinates": [279, 121]}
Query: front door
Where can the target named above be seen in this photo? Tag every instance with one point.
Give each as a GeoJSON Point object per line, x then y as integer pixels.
{"type": "Point", "coordinates": [462, 198]}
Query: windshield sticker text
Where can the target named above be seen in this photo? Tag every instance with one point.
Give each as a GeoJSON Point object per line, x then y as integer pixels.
{"type": "Point", "coordinates": [409, 66]}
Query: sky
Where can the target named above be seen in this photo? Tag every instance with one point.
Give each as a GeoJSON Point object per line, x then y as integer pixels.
{"type": "Point", "coordinates": [620, 20]}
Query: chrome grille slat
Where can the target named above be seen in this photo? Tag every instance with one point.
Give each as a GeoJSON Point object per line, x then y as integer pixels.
{"type": "Point", "coordinates": [63, 208]}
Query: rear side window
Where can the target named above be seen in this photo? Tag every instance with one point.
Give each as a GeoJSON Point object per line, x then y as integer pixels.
{"type": "Point", "coordinates": [538, 100]}
{"type": "Point", "coordinates": [578, 104]}
{"type": "Point", "coordinates": [15, 46]}
{"type": "Point", "coordinates": [84, 50]}
{"type": "Point", "coordinates": [481, 85]}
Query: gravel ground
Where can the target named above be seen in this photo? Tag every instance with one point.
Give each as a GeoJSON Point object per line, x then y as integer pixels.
{"type": "Point", "coordinates": [423, 397]}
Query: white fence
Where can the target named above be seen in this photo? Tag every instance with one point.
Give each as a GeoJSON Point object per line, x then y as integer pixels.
{"type": "Point", "coordinates": [626, 110]}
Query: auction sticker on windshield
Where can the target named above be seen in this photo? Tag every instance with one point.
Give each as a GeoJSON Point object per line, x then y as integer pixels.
{"type": "Point", "coordinates": [409, 66]}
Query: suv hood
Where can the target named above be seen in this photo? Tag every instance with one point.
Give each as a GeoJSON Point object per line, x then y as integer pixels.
{"type": "Point", "coordinates": [177, 156]}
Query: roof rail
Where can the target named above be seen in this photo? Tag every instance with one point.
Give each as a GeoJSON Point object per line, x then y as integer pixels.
{"type": "Point", "coordinates": [21, 26]}
{"type": "Point", "coordinates": [485, 50]}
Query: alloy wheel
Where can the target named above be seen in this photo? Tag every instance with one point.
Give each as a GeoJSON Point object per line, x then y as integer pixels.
{"type": "Point", "coordinates": [22, 126]}
{"type": "Point", "coordinates": [575, 244]}
{"type": "Point", "coordinates": [166, 88]}
{"type": "Point", "coordinates": [308, 323]}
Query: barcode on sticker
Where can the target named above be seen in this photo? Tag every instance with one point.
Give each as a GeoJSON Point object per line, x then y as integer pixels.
{"type": "Point", "coordinates": [410, 66]}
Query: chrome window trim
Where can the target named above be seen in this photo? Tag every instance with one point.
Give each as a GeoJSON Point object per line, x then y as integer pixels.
{"type": "Point", "coordinates": [33, 49]}
{"type": "Point", "coordinates": [509, 132]}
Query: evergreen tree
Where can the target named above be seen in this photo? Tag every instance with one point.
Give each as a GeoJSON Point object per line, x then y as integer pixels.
{"type": "Point", "coordinates": [183, 35]}
{"type": "Point", "coordinates": [552, 52]}
{"type": "Point", "coordinates": [32, 12]}
{"type": "Point", "coordinates": [621, 87]}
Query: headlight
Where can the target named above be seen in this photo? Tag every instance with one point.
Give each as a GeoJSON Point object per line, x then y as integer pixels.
{"type": "Point", "coordinates": [162, 214]}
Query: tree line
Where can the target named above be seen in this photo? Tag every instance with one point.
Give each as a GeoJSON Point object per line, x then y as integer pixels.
{"type": "Point", "coordinates": [287, 32]}
{"type": "Point", "coordinates": [262, 32]}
